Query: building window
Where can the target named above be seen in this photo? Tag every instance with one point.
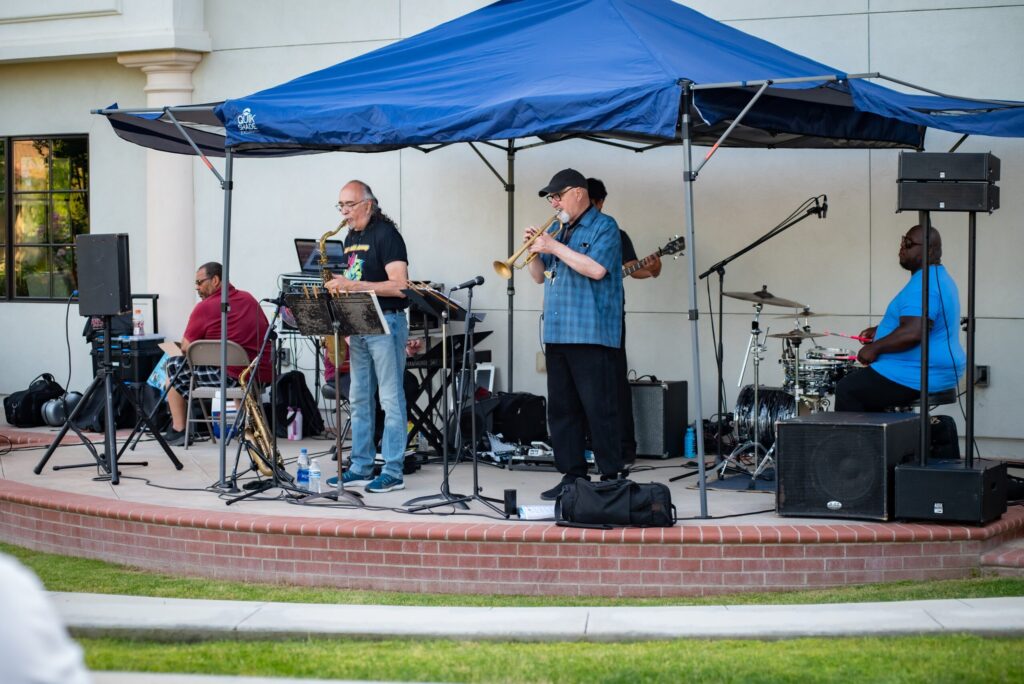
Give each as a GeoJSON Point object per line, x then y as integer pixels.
{"type": "Point", "coordinates": [44, 204]}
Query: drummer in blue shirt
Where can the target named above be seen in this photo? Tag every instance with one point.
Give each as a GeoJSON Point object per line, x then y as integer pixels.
{"type": "Point", "coordinates": [581, 269]}
{"type": "Point", "coordinates": [893, 355]}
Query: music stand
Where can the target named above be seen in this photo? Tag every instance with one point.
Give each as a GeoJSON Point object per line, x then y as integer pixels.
{"type": "Point", "coordinates": [320, 314]}
{"type": "Point", "coordinates": [436, 305]}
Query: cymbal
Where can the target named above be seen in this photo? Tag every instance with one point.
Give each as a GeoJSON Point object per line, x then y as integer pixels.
{"type": "Point", "coordinates": [796, 334]}
{"type": "Point", "coordinates": [765, 297]}
{"type": "Point", "coordinates": [804, 314]}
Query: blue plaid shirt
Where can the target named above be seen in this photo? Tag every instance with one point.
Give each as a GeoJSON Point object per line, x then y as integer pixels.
{"type": "Point", "coordinates": [578, 309]}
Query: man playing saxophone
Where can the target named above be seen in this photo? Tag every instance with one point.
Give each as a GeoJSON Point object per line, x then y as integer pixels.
{"type": "Point", "coordinates": [581, 269]}
{"type": "Point", "coordinates": [377, 262]}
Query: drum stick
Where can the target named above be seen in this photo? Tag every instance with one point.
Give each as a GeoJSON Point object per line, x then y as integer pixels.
{"type": "Point", "coordinates": [859, 338]}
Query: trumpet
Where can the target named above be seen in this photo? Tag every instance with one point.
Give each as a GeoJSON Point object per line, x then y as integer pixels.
{"type": "Point", "coordinates": [505, 268]}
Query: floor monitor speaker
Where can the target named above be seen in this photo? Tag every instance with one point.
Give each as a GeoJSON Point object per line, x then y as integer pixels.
{"type": "Point", "coordinates": [104, 275]}
{"type": "Point", "coordinates": [659, 417]}
{"type": "Point", "coordinates": [951, 492]}
{"type": "Point", "coordinates": [840, 465]}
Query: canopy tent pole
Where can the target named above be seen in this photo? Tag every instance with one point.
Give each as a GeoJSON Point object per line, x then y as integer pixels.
{"type": "Point", "coordinates": [688, 178]}
{"type": "Point", "coordinates": [510, 190]}
{"type": "Point", "coordinates": [228, 187]}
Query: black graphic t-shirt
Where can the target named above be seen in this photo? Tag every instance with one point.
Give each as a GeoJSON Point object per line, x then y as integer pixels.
{"type": "Point", "coordinates": [370, 250]}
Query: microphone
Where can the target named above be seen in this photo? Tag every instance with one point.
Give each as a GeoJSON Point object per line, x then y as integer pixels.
{"type": "Point", "coordinates": [278, 301]}
{"type": "Point", "coordinates": [824, 206]}
{"type": "Point", "coordinates": [472, 282]}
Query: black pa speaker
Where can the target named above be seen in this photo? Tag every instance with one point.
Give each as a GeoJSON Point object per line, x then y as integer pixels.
{"type": "Point", "coordinates": [659, 417]}
{"type": "Point", "coordinates": [977, 167]}
{"type": "Point", "coordinates": [914, 196]}
{"type": "Point", "coordinates": [951, 492]}
{"type": "Point", "coordinates": [840, 465]}
{"type": "Point", "coordinates": [104, 275]}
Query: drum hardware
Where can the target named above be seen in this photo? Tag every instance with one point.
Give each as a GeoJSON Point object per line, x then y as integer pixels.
{"type": "Point", "coordinates": [755, 349]}
{"type": "Point", "coordinates": [764, 297]}
{"type": "Point", "coordinates": [806, 313]}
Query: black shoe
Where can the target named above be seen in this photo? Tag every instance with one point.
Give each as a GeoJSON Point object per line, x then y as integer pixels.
{"type": "Point", "coordinates": [552, 494]}
{"type": "Point", "coordinates": [174, 437]}
{"type": "Point", "coordinates": [621, 475]}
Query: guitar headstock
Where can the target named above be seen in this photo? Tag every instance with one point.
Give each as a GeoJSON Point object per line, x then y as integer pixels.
{"type": "Point", "coordinates": [674, 246]}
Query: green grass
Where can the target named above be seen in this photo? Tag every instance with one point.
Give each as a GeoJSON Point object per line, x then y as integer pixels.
{"type": "Point", "coordinates": [65, 573]}
{"type": "Point", "coordinates": [956, 658]}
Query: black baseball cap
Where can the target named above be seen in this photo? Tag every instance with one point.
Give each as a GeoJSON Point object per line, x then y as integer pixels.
{"type": "Point", "coordinates": [566, 178]}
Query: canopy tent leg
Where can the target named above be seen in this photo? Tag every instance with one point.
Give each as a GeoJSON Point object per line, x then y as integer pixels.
{"type": "Point", "coordinates": [228, 185]}
{"type": "Point", "coordinates": [510, 191]}
{"type": "Point", "coordinates": [688, 178]}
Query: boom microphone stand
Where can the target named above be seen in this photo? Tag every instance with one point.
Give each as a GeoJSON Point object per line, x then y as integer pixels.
{"type": "Point", "coordinates": [819, 209]}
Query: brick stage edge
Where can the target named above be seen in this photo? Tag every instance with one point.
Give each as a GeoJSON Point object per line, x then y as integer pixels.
{"type": "Point", "coordinates": [523, 558]}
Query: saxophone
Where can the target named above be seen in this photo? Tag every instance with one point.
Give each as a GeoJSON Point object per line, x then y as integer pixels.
{"type": "Point", "coordinates": [258, 440]}
{"type": "Point", "coordinates": [337, 357]}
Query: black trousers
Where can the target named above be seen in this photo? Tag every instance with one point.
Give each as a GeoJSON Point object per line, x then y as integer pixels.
{"type": "Point", "coordinates": [627, 430]}
{"type": "Point", "coordinates": [582, 391]}
{"type": "Point", "coordinates": [865, 390]}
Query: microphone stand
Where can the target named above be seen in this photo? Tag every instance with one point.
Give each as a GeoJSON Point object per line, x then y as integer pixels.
{"type": "Point", "coordinates": [719, 268]}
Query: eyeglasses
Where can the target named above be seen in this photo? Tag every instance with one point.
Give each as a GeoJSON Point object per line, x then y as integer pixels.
{"type": "Point", "coordinates": [907, 243]}
{"type": "Point", "coordinates": [342, 206]}
{"type": "Point", "coordinates": [200, 282]}
{"type": "Point", "coordinates": [557, 196]}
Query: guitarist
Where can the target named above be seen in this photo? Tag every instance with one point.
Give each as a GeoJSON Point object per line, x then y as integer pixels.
{"type": "Point", "coordinates": [651, 269]}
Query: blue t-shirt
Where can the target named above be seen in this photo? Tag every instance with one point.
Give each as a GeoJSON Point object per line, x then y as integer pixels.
{"type": "Point", "coordinates": [578, 309]}
{"type": "Point", "coordinates": [946, 358]}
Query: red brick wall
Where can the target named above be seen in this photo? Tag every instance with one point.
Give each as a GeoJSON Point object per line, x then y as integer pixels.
{"type": "Point", "coordinates": [524, 558]}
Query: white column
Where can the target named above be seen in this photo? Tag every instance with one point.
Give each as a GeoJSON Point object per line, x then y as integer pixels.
{"type": "Point", "coordinates": [170, 206]}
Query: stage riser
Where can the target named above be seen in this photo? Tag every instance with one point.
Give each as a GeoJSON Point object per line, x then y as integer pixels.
{"type": "Point", "coordinates": [529, 559]}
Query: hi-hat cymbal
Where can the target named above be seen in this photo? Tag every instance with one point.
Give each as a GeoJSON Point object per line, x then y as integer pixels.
{"type": "Point", "coordinates": [796, 335]}
{"type": "Point", "coordinates": [765, 297]}
{"type": "Point", "coordinates": [804, 314]}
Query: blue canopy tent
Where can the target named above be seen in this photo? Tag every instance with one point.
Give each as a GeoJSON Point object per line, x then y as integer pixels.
{"type": "Point", "coordinates": [634, 73]}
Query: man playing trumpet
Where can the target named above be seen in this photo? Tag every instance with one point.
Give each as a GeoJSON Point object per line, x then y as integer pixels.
{"type": "Point", "coordinates": [582, 275]}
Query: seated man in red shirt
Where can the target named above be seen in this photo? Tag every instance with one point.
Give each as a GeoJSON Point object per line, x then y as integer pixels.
{"type": "Point", "coordinates": [247, 326]}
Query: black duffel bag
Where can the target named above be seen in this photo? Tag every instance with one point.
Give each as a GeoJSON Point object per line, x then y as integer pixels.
{"type": "Point", "coordinates": [25, 408]}
{"type": "Point", "coordinates": [621, 503]}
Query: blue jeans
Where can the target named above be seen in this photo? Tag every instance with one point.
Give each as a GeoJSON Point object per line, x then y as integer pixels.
{"type": "Point", "coordinates": [378, 361]}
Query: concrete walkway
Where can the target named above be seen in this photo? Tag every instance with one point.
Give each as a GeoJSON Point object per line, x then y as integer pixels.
{"type": "Point", "coordinates": [176, 619]}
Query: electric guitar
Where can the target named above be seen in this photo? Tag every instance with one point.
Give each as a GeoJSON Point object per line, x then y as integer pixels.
{"type": "Point", "coordinates": [677, 244]}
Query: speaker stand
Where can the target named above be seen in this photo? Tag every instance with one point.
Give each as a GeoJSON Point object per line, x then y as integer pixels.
{"type": "Point", "coordinates": [109, 461]}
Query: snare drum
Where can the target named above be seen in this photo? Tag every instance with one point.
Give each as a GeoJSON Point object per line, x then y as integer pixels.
{"type": "Point", "coordinates": [774, 404]}
{"type": "Point", "coordinates": [819, 373]}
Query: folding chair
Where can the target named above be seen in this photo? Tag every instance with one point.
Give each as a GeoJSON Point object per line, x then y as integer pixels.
{"type": "Point", "coordinates": [207, 353]}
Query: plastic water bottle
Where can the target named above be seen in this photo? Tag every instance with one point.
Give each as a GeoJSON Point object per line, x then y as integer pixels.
{"type": "Point", "coordinates": [690, 443]}
{"type": "Point", "coordinates": [138, 323]}
{"type": "Point", "coordinates": [302, 470]}
{"type": "Point", "coordinates": [314, 476]}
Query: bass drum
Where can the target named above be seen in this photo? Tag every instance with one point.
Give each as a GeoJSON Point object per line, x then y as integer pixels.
{"type": "Point", "coordinates": [774, 404]}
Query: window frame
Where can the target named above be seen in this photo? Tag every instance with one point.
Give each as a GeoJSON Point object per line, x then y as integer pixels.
{"type": "Point", "coordinates": [8, 194]}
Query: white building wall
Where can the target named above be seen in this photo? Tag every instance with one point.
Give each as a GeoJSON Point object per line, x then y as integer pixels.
{"type": "Point", "coordinates": [452, 209]}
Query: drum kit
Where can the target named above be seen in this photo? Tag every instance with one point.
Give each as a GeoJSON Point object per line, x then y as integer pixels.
{"type": "Point", "coordinates": [808, 381]}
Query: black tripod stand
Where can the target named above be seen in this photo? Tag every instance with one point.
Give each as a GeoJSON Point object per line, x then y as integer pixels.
{"type": "Point", "coordinates": [109, 460]}
{"type": "Point", "coordinates": [466, 389]}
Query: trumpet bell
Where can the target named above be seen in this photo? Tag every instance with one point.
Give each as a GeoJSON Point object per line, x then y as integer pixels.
{"type": "Point", "coordinates": [504, 269]}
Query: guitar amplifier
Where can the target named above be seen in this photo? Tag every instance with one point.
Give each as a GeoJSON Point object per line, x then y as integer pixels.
{"type": "Point", "coordinates": [659, 417]}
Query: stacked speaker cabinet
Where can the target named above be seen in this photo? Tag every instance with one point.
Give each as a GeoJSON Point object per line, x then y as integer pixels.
{"type": "Point", "coordinates": [659, 417]}
{"type": "Point", "coordinates": [104, 275]}
{"type": "Point", "coordinates": [841, 465]}
{"type": "Point", "coordinates": [948, 181]}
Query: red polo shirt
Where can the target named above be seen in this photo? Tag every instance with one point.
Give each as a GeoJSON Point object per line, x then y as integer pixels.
{"type": "Point", "coordinates": [247, 325]}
